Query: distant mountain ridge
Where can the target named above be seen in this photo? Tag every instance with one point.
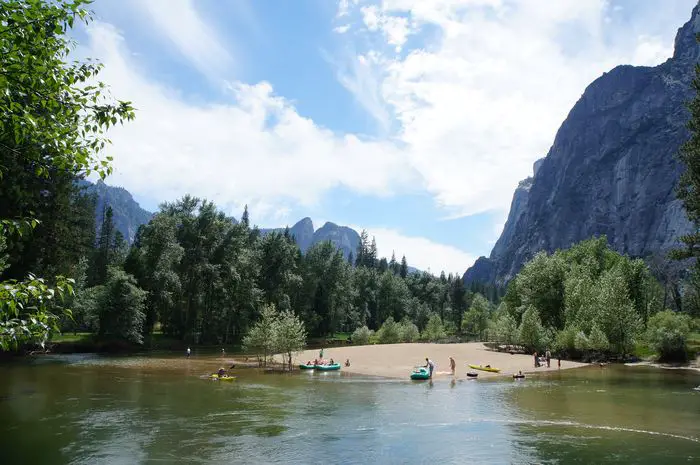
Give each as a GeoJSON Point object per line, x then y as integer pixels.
{"type": "Point", "coordinates": [128, 216]}
{"type": "Point", "coordinates": [343, 238]}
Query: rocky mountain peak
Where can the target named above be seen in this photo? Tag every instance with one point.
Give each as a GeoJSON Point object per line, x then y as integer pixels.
{"type": "Point", "coordinates": [686, 46]}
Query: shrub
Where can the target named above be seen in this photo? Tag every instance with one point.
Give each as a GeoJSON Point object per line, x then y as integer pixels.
{"type": "Point", "coordinates": [450, 328]}
{"type": "Point", "coordinates": [504, 330]}
{"type": "Point", "coordinates": [362, 335]}
{"type": "Point", "coordinates": [389, 332]}
{"type": "Point", "coordinates": [434, 330]}
{"type": "Point", "coordinates": [408, 332]}
{"type": "Point", "coordinates": [581, 342]}
{"type": "Point", "coordinates": [597, 340]}
{"type": "Point", "coordinates": [667, 333]}
{"type": "Point", "coordinates": [565, 341]}
{"type": "Point", "coordinates": [531, 330]}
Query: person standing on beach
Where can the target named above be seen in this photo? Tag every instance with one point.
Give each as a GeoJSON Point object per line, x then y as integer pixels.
{"type": "Point", "coordinates": [189, 352]}
{"type": "Point", "coordinates": [452, 365]}
{"type": "Point", "coordinates": [429, 365]}
{"type": "Point", "coordinates": [537, 362]}
{"type": "Point", "coordinates": [548, 356]}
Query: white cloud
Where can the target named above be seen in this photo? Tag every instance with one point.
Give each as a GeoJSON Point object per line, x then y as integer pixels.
{"type": "Point", "coordinates": [341, 29]}
{"type": "Point", "coordinates": [651, 51]}
{"type": "Point", "coordinates": [421, 253]}
{"type": "Point", "coordinates": [253, 149]}
{"type": "Point", "coordinates": [395, 29]}
{"type": "Point", "coordinates": [484, 95]}
{"type": "Point", "coordinates": [180, 22]}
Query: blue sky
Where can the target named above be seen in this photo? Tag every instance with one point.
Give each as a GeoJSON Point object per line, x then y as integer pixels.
{"type": "Point", "coordinates": [414, 119]}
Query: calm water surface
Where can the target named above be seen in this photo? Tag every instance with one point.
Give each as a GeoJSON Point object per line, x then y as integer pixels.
{"type": "Point", "coordinates": [93, 410]}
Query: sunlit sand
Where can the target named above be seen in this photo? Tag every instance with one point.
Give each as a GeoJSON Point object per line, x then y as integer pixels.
{"type": "Point", "coordinates": [397, 360]}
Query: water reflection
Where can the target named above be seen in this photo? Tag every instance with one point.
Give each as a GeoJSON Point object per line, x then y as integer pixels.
{"type": "Point", "coordinates": [613, 415]}
{"type": "Point", "coordinates": [139, 410]}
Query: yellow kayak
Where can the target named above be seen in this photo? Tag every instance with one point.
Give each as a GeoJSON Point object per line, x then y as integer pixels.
{"type": "Point", "coordinates": [479, 367]}
{"type": "Point", "coordinates": [223, 378]}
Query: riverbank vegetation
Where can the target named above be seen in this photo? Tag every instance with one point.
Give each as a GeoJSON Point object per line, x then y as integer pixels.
{"type": "Point", "coordinates": [200, 277]}
{"type": "Point", "coordinates": [589, 302]}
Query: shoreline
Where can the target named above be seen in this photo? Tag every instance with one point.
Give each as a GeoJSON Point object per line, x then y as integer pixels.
{"type": "Point", "coordinates": [396, 361]}
{"type": "Point", "coordinates": [665, 366]}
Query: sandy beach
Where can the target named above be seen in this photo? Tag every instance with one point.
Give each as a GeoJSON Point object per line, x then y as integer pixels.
{"type": "Point", "coordinates": [397, 360]}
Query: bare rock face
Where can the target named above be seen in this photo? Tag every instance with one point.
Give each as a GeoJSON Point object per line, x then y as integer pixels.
{"type": "Point", "coordinates": [612, 169]}
{"type": "Point", "coordinates": [342, 237]}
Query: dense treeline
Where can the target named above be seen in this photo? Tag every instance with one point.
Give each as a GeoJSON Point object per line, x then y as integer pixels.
{"type": "Point", "coordinates": [206, 279]}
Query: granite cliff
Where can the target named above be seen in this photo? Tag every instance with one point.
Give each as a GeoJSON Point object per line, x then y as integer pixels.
{"type": "Point", "coordinates": [612, 169]}
{"type": "Point", "coordinates": [342, 237]}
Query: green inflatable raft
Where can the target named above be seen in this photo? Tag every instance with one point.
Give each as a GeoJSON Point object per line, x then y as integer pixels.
{"type": "Point", "coordinates": [420, 373]}
{"type": "Point", "coordinates": [304, 366]}
{"type": "Point", "coordinates": [333, 367]}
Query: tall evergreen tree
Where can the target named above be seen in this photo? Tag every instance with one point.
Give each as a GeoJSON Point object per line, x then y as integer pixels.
{"type": "Point", "coordinates": [383, 265]}
{"type": "Point", "coordinates": [245, 218]}
{"type": "Point", "coordinates": [372, 258]}
{"type": "Point", "coordinates": [393, 265]}
{"type": "Point", "coordinates": [119, 249]}
{"type": "Point", "coordinates": [363, 251]}
{"type": "Point", "coordinates": [105, 248]}
{"type": "Point", "coordinates": [403, 270]}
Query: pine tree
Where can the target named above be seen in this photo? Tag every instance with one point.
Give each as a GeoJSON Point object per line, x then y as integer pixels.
{"type": "Point", "coordinates": [362, 250]}
{"type": "Point", "coordinates": [403, 271]}
{"type": "Point", "coordinates": [393, 265]}
{"type": "Point", "coordinates": [372, 258]}
{"type": "Point", "coordinates": [383, 265]}
{"type": "Point", "coordinates": [245, 218]}
{"type": "Point", "coordinates": [105, 244]}
{"type": "Point", "coordinates": [118, 250]}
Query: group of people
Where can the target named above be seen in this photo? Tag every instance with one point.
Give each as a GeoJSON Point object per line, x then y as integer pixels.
{"type": "Point", "coordinates": [547, 358]}
{"type": "Point", "coordinates": [320, 360]}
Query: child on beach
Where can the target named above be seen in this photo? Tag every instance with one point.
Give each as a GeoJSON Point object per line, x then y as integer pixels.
{"type": "Point", "coordinates": [452, 365]}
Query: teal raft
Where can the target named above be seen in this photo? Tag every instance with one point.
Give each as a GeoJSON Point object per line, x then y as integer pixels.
{"type": "Point", "coordinates": [304, 366]}
{"type": "Point", "coordinates": [334, 367]}
{"type": "Point", "coordinates": [420, 373]}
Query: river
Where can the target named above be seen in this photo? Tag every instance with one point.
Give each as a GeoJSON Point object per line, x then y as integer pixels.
{"type": "Point", "coordinates": [148, 410]}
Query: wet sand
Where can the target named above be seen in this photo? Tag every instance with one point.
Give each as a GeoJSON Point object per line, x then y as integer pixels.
{"type": "Point", "coordinates": [397, 360]}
